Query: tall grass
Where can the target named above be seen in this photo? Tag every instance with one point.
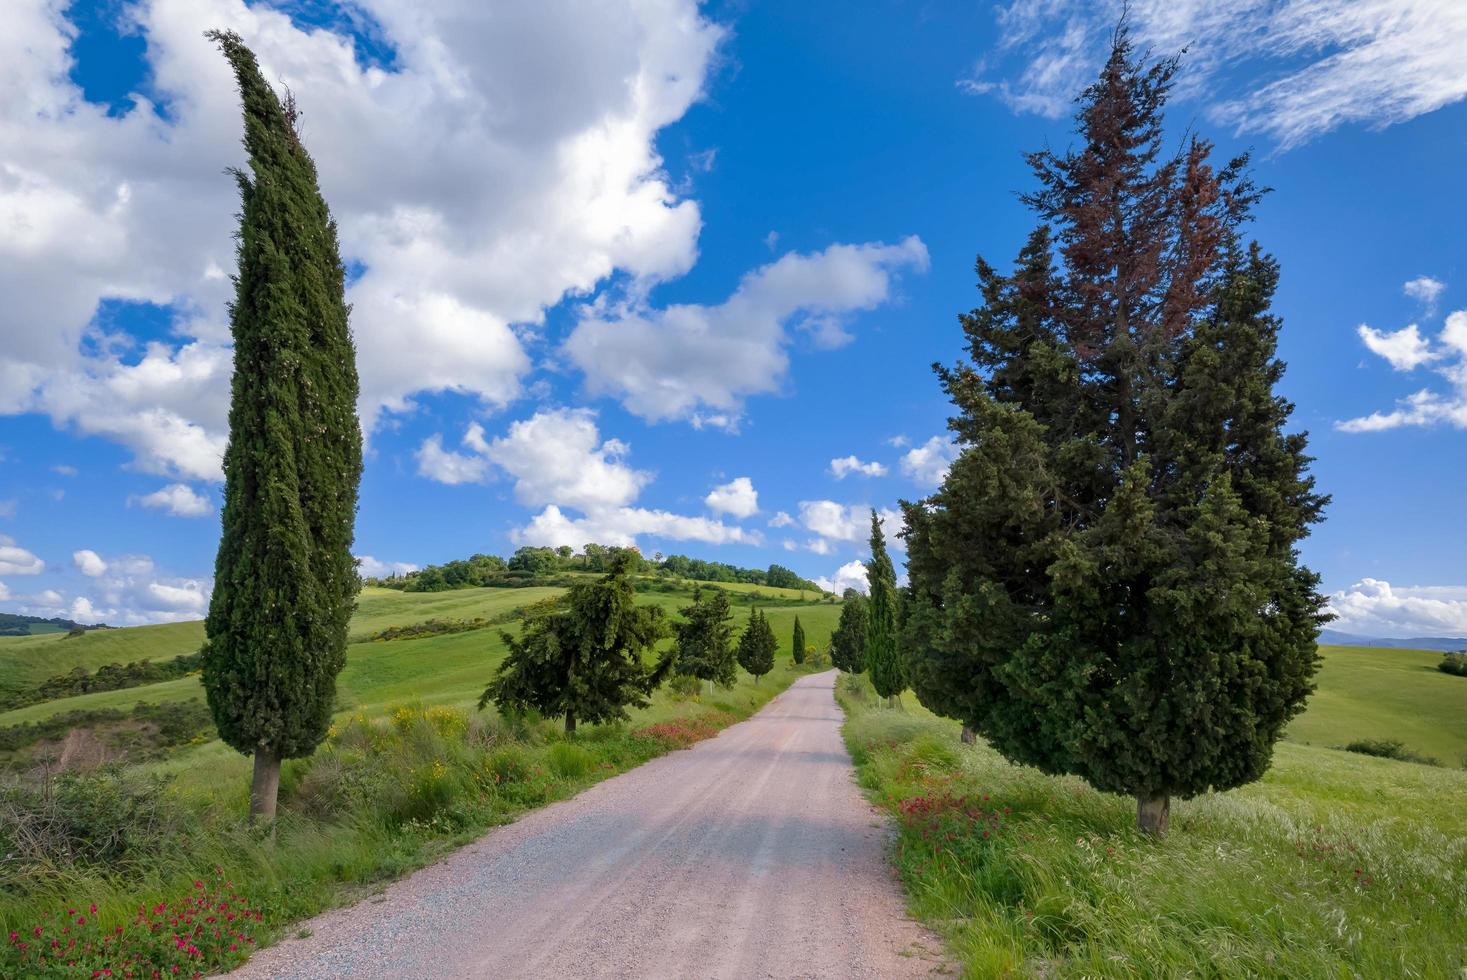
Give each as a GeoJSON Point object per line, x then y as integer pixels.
{"type": "Point", "coordinates": [1335, 865]}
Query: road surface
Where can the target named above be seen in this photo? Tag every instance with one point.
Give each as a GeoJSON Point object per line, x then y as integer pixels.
{"type": "Point", "coordinates": [752, 854]}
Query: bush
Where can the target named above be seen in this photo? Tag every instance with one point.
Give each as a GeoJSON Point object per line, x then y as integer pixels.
{"type": "Point", "coordinates": [1454, 663]}
{"type": "Point", "coordinates": [1389, 749]}
{"type": "Point", "coordinates": [684, 687]}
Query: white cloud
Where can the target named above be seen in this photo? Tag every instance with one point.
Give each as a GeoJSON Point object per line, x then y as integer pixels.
{"type": "Point", "coordinates": [1291, 69]}
{"type": "Point", "coordinates": [9, 507]}
{"type": "Point", "coordinates": [622, 525]}
{"type": "Point", "coordinates": [62, 469]}
{"type": "Point", "coordinates": [851, 575]}
{"type": "Point", "coordinates": [835, 523]}
{"type": "Point", "coordinates": [898, 441]}
{"type": "Point", "coordinates": [508, 158]}
{"type": "Point", "coordinates": [89, 563]}
{"type": "Point", "coordinates": [4, 591]}
{"type": "Point", "coordinates": [1425, 290]}
{"type": "Point", "coordinates": [700, 363]}
{"type": "Point", "coordinates": [781, 519]}
{"type": "Point", "coordinates": [557, 457]}
{"type": "Point", "coordinates": [846, 465]}
{"type": "Point", "coordinates": [1405, 350]}
{"type": "Point", "coordinates": [928, 463]}
{"type": "Point", "coordinates": [15, 560]}
{"type": "Point", "coordinates": [178, 499]}
{"type": "Point", "coordinates": [737, 497]}
{"type": "Point", "coordinates": [447, 466]}
{"type": "Point", "coordinates": [1374, 608]}
{"type": "Point", "coordinates": [370, 567]}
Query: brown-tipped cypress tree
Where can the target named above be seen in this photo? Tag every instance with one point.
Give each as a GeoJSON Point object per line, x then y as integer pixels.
{"type": "Point", "coordinates": [883, 661]}
{"type": "Point", "coordinates": [757, 646]}
{"type": "Point", "coordinates": [1108, 582]}
{"type": "Point", "coordinates": [285, 580]}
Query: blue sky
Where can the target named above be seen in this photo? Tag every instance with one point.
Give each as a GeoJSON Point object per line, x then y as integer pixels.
{"type": "Point", "coordinates": [646, 274]}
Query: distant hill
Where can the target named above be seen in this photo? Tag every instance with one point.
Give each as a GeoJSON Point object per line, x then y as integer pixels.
{"type": "Point", "coordinates": [1444, 643]}
{"type": "Point", "coordinates": [13, 624]}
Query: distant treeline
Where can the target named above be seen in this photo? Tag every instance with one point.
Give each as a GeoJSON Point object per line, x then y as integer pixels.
{"type": "Point", "coordinates": [14, 624]}
{"type": "Point", "coordinates": [173, 724]}
{"type": "Point", "coordinates": [542, 566]}
{"type": "Point", "coordinates": [108, 677]}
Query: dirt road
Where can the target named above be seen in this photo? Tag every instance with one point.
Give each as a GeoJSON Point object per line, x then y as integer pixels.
{"type": "Point", "coordinates": [752, 854]}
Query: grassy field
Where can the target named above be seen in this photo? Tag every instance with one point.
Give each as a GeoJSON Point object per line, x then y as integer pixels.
{"type": "Point", "coordinates": [1334, 865]}
{"type": "Point", "coordinates": [1381, 693]}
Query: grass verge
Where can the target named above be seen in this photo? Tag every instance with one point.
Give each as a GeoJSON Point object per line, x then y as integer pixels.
{"type": "Point", "coordinates": [1334, 865]}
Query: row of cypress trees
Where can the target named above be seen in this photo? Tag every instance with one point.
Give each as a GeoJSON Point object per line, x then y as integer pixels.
{"type": "Point", "coordinates": [1107, 582]}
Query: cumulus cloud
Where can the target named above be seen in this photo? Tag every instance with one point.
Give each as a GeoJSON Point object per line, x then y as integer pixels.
{"type": "Point", "coordinates": [1425, 290]}
{"type": "Point", "coordinates": [838, 523]}
{"type": "Point", "coordinates": [700, 363]}
{"type": "Point", "coordinates": [846, 465]}
{"type": "Point", "coordinates": [737, 497]}
{"type": "Point", "coordinates": [781, 519]}
{"type": "Point", "coordinates": [370, 567]}
{"type": "Point", "coordinates": [505, 158]}
{"type": "Point", "coordinates": [1372, 607]}
{"type": "Point", "coordinates": [1406, 350]}
{"type": "Point", "coordinates": [622, 525]}
{"type": "Point", "coordinates": [453, 468]}
{"type": "Point", "coordinates": [89, 563]}
{"type": "Point", "coordinates": [928, 463]}
{"type": "Point", "coordinates": [1290, 69]}
{"type": "Point", "coordinates": [15, 560]}
{"type": "Point", "coordinates": [851, 575]}
{"type": "Point", "coordinates": [178, 500]}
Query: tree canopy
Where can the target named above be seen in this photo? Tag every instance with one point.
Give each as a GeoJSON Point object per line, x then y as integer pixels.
{"type": "Point", "coordinates": [883, 661]}
{"type": "Point", "coordinates": [848, 641]}
{"type": "Point", "coordinates": [705, 638]}
{"type": "Point", "coordinates": [757, 645]}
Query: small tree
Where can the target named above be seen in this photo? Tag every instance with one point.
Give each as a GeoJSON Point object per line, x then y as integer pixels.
{"type": "Point", "coordinates": [580, 655]}
{"type": "Point", "coordinates": [757, 646]}
{"type": "Point", "coordinates": [797, 645]}
{"type": "Point", "coordinates": [285, 581]}
{"type": "Point", "coordinates": [704, 641]}
{"type": "Point", "coordinates": [882, 659]}
{"type": "Point", "coordinates": [848, 642]}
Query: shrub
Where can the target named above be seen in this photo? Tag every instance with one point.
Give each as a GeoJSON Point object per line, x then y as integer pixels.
{"type": "Point", "coordinates": [1389, 749]}
{"type": "Point", "coordinates": [684, 687]}
{"type": "Point", "coordinates": [1454, 663]}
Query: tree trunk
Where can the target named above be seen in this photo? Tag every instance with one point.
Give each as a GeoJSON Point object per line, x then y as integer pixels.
{"type": "Point", "coordinates": [1154, 813]}
{"type": "Point", "coordinates": [570, 723]}
{"type": "Point", "coordinates": [968, 737]}
{"type": "Point", "coordinates": [265, 786]}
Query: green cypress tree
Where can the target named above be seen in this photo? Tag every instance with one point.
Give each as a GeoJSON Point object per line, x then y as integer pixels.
{"type": "Point", "coordinates": [1108, 583]}
{"type": "Point", "coordinates": [704, 640]}
{"type": "Point", "coordinates": [285, 581]}
{"type": "Point", "coordinates": [580, 656]}
{"type": "Point", "coordinates": [797, 643]}
{"type": "Point", "coordinates": [882, 658]}
{"type": "Point", "coordinates": [757, 646]}
{"type": "Point", "coordinates": [848, 642]}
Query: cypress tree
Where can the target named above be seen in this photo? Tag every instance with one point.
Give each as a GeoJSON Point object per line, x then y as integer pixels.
{"type": "Point", "coordinates": [580, 656]}
{"type": "Point", "coordinates": [882, 658]}
{"type": "Point", "coordinates": [757, 646]}
{"type": "Point", "coordinates": [797, 643]}
{"type": "Point", "coordinates": [848, 642]}
{"type": "Point", "coordinates": [704, 641]}
{"type": "Point", "coordinates": [285, 581]}
{"type": "Point", "coordinates": [1108, 582]}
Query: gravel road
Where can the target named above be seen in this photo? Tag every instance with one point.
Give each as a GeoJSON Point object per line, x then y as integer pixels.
{"type": "Point", "coordinates": [752, 854]}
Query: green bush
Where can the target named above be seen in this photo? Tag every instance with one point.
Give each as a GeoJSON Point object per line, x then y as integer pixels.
{"type": "Point", "coordinates": [685, 687]}
{"type": "Point", "coordinates": [1454, 663]}
{"type": "Point", "coordinates": [1389, 749]}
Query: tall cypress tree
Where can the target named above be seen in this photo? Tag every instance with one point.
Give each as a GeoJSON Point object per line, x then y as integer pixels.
{"type": "Point", "coordinates": [285, 580]}
{"type": "Point", "coordinates": [797, 642]}
{"type": "Point", "coordinates": [882, 658]}
{"type": "Point", "coordinates": [580, 656]}
{"type": "Point", "coordinates": [705, 639]}
{"type": "Point", "coordinates": [848, 641]}
{"type": "Point", "coordinates": [757, 646]}
{"type": "Point", "coordinates": [1108, 583]}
